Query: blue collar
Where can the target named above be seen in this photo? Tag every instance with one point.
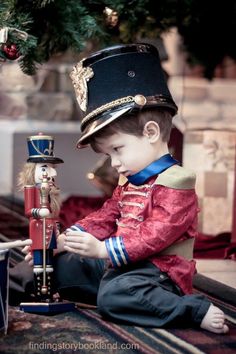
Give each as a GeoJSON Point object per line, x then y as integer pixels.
{"type": "Point", "coordinates": [153, 169]}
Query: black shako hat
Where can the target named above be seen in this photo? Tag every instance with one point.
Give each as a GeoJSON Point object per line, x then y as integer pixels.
{"type": "Point", "coordinates": [116, 81]}
{"type": "Point", "coordinates": [41, 149]}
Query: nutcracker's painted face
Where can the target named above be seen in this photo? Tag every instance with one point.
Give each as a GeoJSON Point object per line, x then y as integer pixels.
{"type": "Point", "coordinates": [41, 168]}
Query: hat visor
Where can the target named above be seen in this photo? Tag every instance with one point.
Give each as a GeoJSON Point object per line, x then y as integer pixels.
{"type": "Point", "coordinates": [100, 122]}
{"type": "Point", "coordinates": [40, 159]}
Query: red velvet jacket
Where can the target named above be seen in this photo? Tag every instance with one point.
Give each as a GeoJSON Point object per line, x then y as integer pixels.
{"type": "Point", "coordinates": [139, 222]}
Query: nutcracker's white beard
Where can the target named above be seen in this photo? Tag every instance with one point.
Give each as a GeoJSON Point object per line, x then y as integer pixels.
{"type": "Point", "coordinates": [26, 177]}
{"type": "Point", "coordinates": [55, 201]}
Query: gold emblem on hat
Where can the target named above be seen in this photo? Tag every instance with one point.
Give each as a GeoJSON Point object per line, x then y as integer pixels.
{"type": "Point", "coordinates": [140, 100]}
{"type": "Point", "coordinates": [80, 76]}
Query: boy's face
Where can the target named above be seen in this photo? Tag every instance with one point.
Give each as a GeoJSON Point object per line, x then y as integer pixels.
{"type": "Point", "coordinates": [129, 154]}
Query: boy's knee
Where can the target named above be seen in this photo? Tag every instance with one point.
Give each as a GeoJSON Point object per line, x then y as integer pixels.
{"type": "Point", "coordinates": [105, 299]}
{"type": "Point", "coordinates": [108, 298]}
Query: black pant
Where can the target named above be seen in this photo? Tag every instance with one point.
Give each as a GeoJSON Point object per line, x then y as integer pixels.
{"type": "Point", "coordinates": [138, 294]}
{"type": "Point", "coordinates": [77, 279]}
{"type": "Point", "coordinates": [145, 296]}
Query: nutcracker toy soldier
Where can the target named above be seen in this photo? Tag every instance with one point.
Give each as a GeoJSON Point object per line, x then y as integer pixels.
{"type": "Point", "coordinates": [42, 207]}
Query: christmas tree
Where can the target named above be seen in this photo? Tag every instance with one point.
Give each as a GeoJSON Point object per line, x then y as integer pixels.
{"type": "Point", "coordinates": [34, 30]}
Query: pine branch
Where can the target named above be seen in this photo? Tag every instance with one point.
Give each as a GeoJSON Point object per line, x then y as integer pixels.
{"type": "Point", "coordinates": [54, 26]}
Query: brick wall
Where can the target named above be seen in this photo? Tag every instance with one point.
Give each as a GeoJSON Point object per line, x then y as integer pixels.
{"type": "Point", "coordinates": [207, 118]}
{"type": "Point", "coordinates": [48, 95]}
{"type": "Point", "coordinates": [45, 96]}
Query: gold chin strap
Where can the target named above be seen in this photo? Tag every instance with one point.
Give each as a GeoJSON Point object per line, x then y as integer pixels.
{"type": "Point", "coordinates": [106, 107]}
{"type": "Point", "coordinates": [139, 100]}
{"type": "Point", "coordinates": [183, 249]}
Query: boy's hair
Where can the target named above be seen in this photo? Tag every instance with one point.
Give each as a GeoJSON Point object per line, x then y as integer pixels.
{"type": "Point", "coordinates": [134, 123]}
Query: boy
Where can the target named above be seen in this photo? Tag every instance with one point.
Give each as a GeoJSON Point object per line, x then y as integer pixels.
{"type": "Point", "coordinates": [146, 229]}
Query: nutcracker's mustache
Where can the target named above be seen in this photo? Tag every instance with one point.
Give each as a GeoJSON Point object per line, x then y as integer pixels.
{"type": "Point", "coordinates": [51, 182]}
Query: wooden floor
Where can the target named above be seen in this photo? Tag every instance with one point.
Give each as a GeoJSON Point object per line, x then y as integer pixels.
{"type": "Point", "coordinates": [222, 270]}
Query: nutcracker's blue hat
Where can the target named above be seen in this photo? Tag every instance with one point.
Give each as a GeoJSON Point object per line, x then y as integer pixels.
{"type": "Point", "coordinates": [117, 81]}
{"type": "Point", "coordinates": [41, 149]}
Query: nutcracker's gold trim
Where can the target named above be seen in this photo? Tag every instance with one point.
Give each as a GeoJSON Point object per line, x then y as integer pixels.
{"type": "Point", "coordinates": [41, 155]}
{"type": "Point", "coordinates": [40, 137]}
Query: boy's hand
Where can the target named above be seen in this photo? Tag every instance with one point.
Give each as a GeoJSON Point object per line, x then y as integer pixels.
{"type": "Point", "coordinates": [60, 244]}
{"type": "Point", "coordinates": [60, 248]}
{"type": "Point", "coordinates": [85, 244]}
{"type": "Point", "coordinates": [28, 258]}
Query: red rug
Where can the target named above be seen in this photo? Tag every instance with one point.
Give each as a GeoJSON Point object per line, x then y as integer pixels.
{"type": "Point", "coordinates": [84, 331]}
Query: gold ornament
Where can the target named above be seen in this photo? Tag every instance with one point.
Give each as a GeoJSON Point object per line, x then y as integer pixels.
{"type": "Point", "coordinates": [111, 17]}
{"type": "Point", "coordinates": [80, 76]}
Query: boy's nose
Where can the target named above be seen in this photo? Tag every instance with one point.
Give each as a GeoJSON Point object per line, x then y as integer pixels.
{"type": "Point", "coordinates": [115, 162]}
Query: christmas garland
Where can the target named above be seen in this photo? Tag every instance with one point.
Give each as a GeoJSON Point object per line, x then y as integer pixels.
{"type": "Point", "coordinates": [32, 31]}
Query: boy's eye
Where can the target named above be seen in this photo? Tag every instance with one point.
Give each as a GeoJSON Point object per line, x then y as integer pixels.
{"type": "Point", "coordinates": [118, 148]}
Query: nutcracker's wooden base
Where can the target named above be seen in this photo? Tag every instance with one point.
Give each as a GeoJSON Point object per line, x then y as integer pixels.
{"type": "Point", "coordinates": [47, 308]}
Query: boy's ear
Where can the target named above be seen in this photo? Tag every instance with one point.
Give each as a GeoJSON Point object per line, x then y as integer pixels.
{"type": "Point", "coordinates": [152, 131]}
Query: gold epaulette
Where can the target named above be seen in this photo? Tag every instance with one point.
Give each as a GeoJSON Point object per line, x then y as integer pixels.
{"type": "Point", "coordinates": [177, 177]}
{"type": "Point", "coordinates": [122, 180]}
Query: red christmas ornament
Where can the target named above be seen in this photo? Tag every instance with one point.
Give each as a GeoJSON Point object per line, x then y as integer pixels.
{"type": "Point", "coordinates": [10, 51]}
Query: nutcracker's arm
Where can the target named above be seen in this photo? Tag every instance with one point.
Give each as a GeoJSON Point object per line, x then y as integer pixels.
{"type": "Point", "coordinates": [32, 203]}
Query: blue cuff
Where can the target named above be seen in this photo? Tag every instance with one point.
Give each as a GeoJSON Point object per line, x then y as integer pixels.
{"type": "Point", "coordinates": [75, 227]}
{"type": "Point", "coordinates": [116, 250]}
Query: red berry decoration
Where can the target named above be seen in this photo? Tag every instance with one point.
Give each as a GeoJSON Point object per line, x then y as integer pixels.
{"type": "Point", "coordinates": [10, 51]}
